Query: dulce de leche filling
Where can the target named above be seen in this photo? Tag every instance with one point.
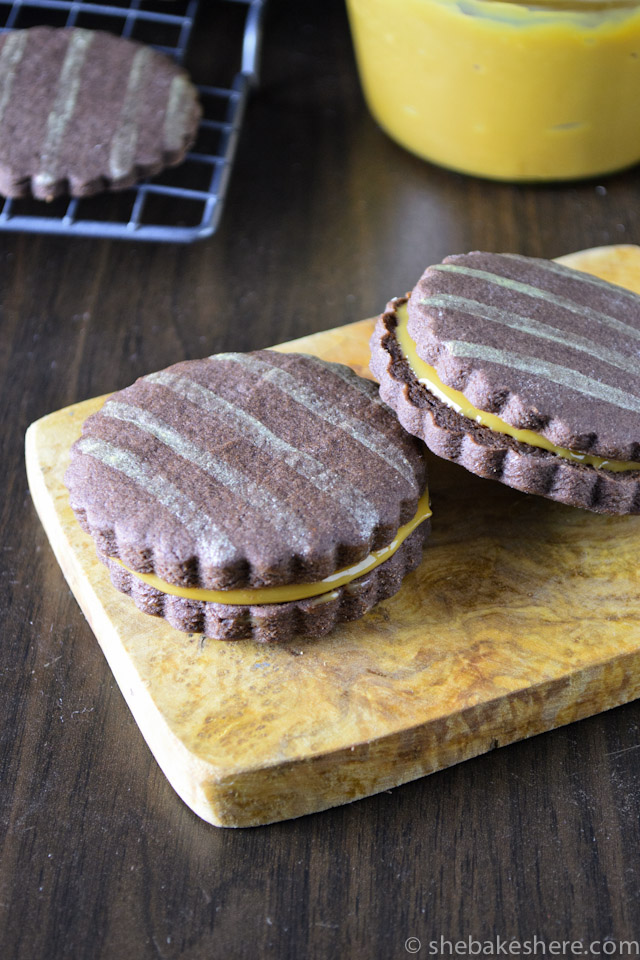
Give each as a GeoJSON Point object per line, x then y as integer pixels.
{"type": "Point", "coordinates": [455, 399]}
{"type": "Point", "coordinates": [296, 591]}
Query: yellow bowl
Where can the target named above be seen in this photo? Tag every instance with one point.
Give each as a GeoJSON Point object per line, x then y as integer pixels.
{"type": "Point", "coordinates": [505, 90]}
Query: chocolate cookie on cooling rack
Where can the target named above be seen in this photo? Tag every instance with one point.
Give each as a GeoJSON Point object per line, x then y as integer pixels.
{"type": "Point", "coordinates": [523, 371]}
{"type": "Point", "coordinates": [83, 111]}
{"type": "Point", "coordinates": [260, 495]}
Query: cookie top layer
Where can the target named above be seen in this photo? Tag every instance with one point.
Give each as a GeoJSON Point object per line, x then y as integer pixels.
{"type": "Point", "coordinates": [245, 470]}
{"type": "Point", "coordinates": [83, 110]}
{"type": "Point", "coordinates": [544, 347]}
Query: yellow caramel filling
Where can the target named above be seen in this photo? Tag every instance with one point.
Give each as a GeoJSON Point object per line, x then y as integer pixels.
{"type": "Point", "coordinates": [455, 399]}
{"type": "Point", "coordinates": [295, 591]}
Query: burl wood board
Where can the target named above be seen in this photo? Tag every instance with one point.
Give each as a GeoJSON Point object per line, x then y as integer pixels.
{"type": "Point", "coordinates": [523, 616]}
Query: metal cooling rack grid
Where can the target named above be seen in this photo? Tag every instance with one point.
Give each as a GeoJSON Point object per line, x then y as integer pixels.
{"type": "Point", "coordinates": [183, 203]}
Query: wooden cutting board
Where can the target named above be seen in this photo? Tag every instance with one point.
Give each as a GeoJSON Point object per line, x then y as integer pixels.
{"type": "Point", "coordinates": [523, 616]}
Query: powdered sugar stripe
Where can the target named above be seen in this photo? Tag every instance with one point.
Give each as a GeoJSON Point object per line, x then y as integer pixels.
{"type": "Point", "coordinates": [571, 273]}
{"type": "Point", "coordinates": [67, 91]}
{"type": "Point", "coordinates": [275, 510]}
{"type": "Point", "coordinates": [10, 56]}
{"type": "Point", "coordinates": [124, 141]}
{"type": "Point", "coordinates": [324, 479]}
{"type": "Point", "coordinates": [215, 544]}
{"type": "Point", "coordinates": [549, 371]}
{"type": "Point", "coordinates": [349, 377]}
{"type": "Point", "coordinates": [534, 328]}
{"type": "Point", "coordinates": [177, 118]}
{"type": "Point", "coordinates": [537, 293]}
{"type": "Point", "coordinates": [374, 441]}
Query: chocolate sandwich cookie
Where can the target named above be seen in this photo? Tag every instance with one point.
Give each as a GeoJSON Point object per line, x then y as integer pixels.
{"type": "Point", "coordinates": [259, 495]}
{"type": "Point", "coordinates": [523, 371]}
{"type": "Point", "coordinates": [83, 111]}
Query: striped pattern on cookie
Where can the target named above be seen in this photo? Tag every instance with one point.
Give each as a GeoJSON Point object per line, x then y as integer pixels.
{"type": "Point", "coordinates": [82, 111]}
{"type": "Point", "coordinates": [522, 370]}
{"type": "Point", "coordinates": [246, 471]}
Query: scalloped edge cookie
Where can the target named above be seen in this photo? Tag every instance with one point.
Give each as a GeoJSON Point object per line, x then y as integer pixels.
{"type": "Point", "coordinates": [83, 111]}
{"type": "Point", "coordinates": [484, 452]}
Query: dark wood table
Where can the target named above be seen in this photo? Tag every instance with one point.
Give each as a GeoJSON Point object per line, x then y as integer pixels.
{"type": "Point", "coordinates": [326, 219]}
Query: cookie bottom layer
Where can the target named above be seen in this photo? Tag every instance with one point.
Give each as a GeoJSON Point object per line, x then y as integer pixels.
{"type": "Point", "coordinates": [484, 452]}
{"type": "Point", "coordinates": [276, 622]}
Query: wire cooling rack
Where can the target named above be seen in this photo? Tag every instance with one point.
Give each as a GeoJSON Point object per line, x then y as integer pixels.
{"type": "Point", "coordinates": [183, 203]}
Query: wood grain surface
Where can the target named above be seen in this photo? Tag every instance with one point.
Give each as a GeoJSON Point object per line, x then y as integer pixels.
{"type": "Point", "coordinates": [326, 220]}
